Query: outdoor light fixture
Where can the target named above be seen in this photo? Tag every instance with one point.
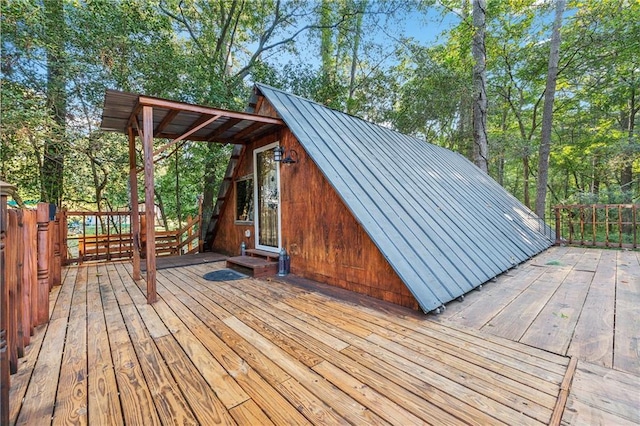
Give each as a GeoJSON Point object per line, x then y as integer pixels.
{"type": "Point", "coordinates": [280, 155]}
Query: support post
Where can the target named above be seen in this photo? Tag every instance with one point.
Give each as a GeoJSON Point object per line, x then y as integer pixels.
{"type": "Point", "coordinates": [42, 216]}
{"type": "Point", "coordinates": [135, 216]}
{"type": "Point", "coordinates": [558, 224]}
{"type": "Point", "coordinates": [56, 268]}
{"type": "Point", "coordinates": [149, 208]}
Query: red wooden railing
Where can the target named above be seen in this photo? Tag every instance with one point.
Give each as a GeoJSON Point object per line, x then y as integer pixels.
{"type": "Point", "coordinates": [30, 264]}
{"type": "Point", "coordinates": [109, 237]}
{"type": "Point", "coordinates": [598, 225]}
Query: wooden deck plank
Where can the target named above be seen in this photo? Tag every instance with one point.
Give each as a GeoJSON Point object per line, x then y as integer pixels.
{"type": "Point", "coordinates": [344, 405]}
{"type": "Point", "coordinates": [514, 319]}
{"type": "Point", "coordinates": [103, 401]}
{"type": "Point", "coordinates": [20, 380]}
{"type": "Point", "coordinates": [606, 390]}
{"type": "Point", "coordinates": [135, 398]}
{"type": "Point", "coordinates": [170, 403]}
{"type": "Point", "coordinates": [72, 395]}
{"type": "Point", "coordinates": [554, 326]}
{"type": "Point", "coordinates": [40, 397]}
{"type": "Point", "coordinates": [249, 413]}
{"type": "Point", "coordinates": [626, 356]}
{"type": "Point", "coordinates": [370, 378]}
{"type": "Point", "coordinates": [488, 360]}
{"type": "Point", "coordinates": [257, 387]}
{"type": "Point", "coordinates": [593, 337]}
{"type": "Point", "coordinates": [208, 408]}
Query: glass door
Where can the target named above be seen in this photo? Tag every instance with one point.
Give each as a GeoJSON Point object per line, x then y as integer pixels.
{"type": "Point", "coordinates": [267, 193]}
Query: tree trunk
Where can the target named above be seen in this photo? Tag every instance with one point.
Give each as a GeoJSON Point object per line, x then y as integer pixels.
{"type": "Point", "coordinates": [547, 113]}
{"type": "Point", "coordinates": [354, 55]}
{"type": "Point", "coordinates": [626, 176]}
{"type": "Point", "coordinates": [53, 161]}
{"type": "Point", "coordinates": [525, 175]}
{"type": "Point", "coordinates": [480, 151]}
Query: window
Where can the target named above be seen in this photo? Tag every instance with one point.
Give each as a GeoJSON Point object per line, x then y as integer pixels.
{"type": "Point", "coordinates": [244, 200]}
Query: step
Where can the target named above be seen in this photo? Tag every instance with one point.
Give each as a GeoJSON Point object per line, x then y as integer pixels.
{"type": "Point", "coordinates": [269, 255]}
{"type": "Point", "coordinates": [253, 266]}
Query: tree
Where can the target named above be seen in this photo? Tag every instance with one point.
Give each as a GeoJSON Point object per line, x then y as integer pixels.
{"type": "Point", "coordinates": [54, 148]}
{"type": "Point", "coordinates": [480, 151]}
{"type": "Point", "coordinates": [547, 112]}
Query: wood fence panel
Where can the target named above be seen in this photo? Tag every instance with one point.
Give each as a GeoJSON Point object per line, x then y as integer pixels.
{"type": "Point", "coordinates": [30, 268]}
{"type": "Point", "coordinates": [4, 358]}
{"type": "Point", "coordinates": [11, 287]}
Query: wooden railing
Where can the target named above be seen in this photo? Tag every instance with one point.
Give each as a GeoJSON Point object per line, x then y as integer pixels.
{"type": "Point", "coordinates": [107, 236]}
{"type": "Point", "coordinates": [30, 263]}
{"type": "Point", "coordinates": [597, 225]}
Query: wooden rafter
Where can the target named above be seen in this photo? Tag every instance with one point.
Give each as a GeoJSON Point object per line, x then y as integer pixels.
{"type": "Point", "coordinates": [203, 121]}
{"type": "Point", "coordinates": [165, 121]}
{"type": "Point", "coordinates": [222, 128]}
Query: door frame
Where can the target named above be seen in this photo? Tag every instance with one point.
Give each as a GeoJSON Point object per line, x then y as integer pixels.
{"type": "Point", "coordinates": [257, 204]}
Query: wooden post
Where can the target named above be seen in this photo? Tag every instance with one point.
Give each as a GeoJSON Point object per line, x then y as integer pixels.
{"type": "Point", "coordinates": [64, 243]}
{"type": "Point", "coordinates": [56, 267]}
{"type": "Point", "coordinates": [43, 263]}
{"type": "Point", "coordinates": [149, 208]}
{"type": "Point", "coordinates": [200, 230]}
{"type": "Point", "coordinates": [5, 188]}
{"type": "Point", "coordinates": [11, 283]}
{"type": "Point", "coordinates": [135, 217]}
{"type": "Point", "coordinates": [26, 277]}
{"type": "Point", "coordinates": [30, 239]}
{"type": "Point", "coordinates": [558, 224]}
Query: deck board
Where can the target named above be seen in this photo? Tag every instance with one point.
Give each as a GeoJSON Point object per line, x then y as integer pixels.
{"type": "Point", "coordinates": [581, 302]}
{"type": "Point", "coordinates": [295, 352]}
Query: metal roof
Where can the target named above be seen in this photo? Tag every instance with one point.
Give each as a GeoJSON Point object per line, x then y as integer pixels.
{"type": "Point", "coordinates": [173, 119]}
{"type": "Point", "coordinates": [443, 225]}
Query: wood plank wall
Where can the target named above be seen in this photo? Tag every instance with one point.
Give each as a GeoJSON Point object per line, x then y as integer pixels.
{"type": "Point", "coordinates": [324, 240]}
{"type": "Point", "coordinates": [32, 266]}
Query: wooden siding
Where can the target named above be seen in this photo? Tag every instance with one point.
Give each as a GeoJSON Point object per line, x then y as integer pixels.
{"type": "Point", "coordinates": [323, 238]}
{"type": "Point", "coordinates": [325, 241]}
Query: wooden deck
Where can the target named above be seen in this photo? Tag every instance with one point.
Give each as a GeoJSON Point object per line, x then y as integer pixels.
{"type": "Point", "coordinates": [261, 352]}
{"type": "Point", "coordinates": [577, 302]}
{"type": "Point", "coordinates": [266, 352]}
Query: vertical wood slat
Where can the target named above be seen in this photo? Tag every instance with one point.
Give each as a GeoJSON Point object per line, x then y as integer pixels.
{"type": "Point", "coordinates": [149, 207]}
{"type": "Point", "coordinates": [558, 226]}
{"type": "Point", "coordinates": [620, 226]}
{"type": "Point", "coordinates": [595, 223]}
{"type": "Point", "coordinates": [43, 263]}
{"type": "Point", "coordinates": [4, 306]}
{"type": "Point", "coordinates": [11, 286]}
{"type": "Point", "coordinates": [606, 225]}
{"type": "Point", "coordinates": [56, 266]}
{"type": "Point", "coordinates": [29, 273]}
{"type": "Point", "coordinates": [635, 231]}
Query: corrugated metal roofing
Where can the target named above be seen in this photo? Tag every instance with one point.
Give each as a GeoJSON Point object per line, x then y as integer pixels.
{"type": "Point", "coordinates": [443, 225]}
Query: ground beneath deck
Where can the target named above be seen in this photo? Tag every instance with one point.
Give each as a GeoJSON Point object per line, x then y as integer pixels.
{"type": "Point", "coordinates": [577, 302]}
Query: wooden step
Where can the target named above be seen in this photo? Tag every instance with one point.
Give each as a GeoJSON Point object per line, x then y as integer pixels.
{"type": "Point", "coordinates": [269, 255]}
{"type": "Point", "coordinates": [253, 266]}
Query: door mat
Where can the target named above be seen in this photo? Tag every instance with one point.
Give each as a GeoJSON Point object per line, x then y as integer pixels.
{"type": "Point", "coordinates": [223, 275]}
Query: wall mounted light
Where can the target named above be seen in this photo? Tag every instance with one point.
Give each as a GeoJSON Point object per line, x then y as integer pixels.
{"type": "Point", "coordinates": [280, 155]}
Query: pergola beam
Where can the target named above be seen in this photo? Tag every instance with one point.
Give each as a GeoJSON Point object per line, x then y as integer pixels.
{"type": "Point", "coordinates": [163, 103]}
